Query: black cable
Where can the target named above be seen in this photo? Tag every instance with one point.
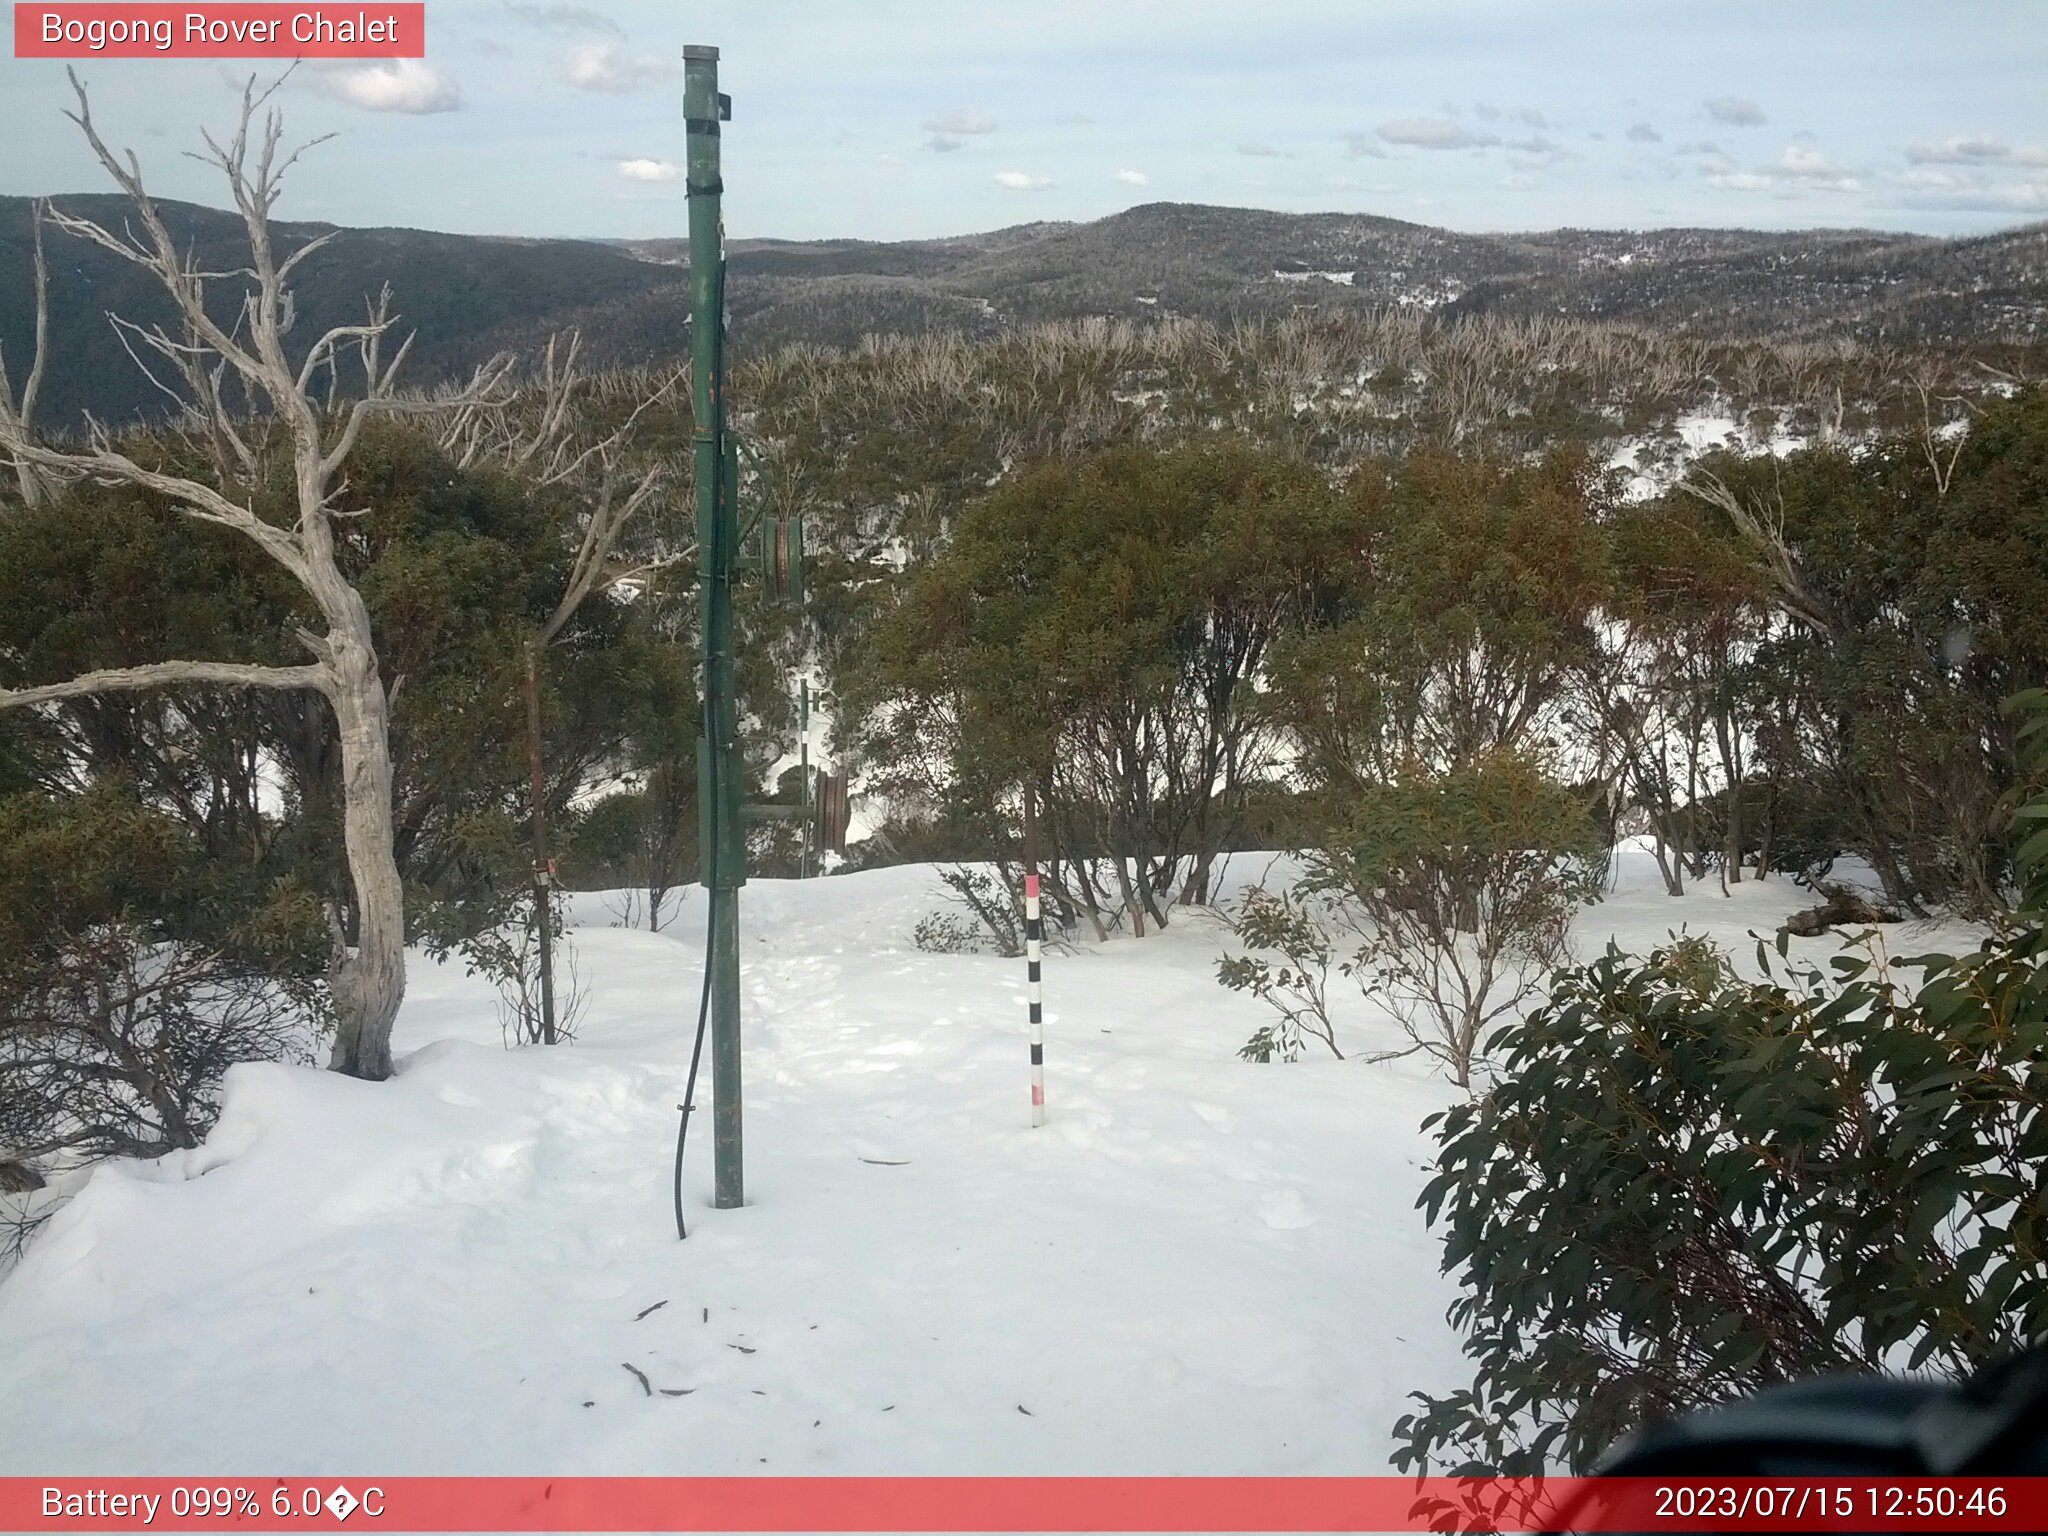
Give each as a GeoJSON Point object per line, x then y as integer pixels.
{"type": "Point", "coordinates": [696, 1054]}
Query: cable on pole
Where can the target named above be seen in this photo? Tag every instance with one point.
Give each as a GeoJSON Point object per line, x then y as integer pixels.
{"type": "Point", "coordinates": [707, 855]}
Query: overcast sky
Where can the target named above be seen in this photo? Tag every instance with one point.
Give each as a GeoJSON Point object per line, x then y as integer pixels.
{"type": "Point", "coordinates": [888, 119]}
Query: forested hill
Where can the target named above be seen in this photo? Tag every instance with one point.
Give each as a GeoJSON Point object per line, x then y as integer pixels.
{"type": "Point", "coordinates": [469, 296]}
{"type": "Point", "coordinates": [466, 296]}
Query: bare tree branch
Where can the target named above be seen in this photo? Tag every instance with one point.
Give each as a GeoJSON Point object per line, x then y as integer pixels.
{"type": "Point", "coordinates": [1762, 526]}
{"type": "Point", "coordinates": [164, 674]}
{"type": "Point", "coordinates": [600, 537]}
{"type": "Point", "coordinates": [18, 418]}
{"type": "Point", "coordinates": [109, 465]}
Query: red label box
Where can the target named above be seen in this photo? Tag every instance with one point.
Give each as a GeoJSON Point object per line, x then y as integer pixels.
{"type": "Point", "coordinates": [360, 30]}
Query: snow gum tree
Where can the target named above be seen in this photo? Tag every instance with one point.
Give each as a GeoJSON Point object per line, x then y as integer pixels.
{"type": "Point", "coordinates": [236, 380]}
{"type": "Point", "coordinates": [1428, 708]}
{"type": "Point", "coordinates": [1910, 599]}
{"type": "Point", "coordinates": [1099, 627]}
{"type": "Point", "coordinates": [1665, 687]}
{"type": "Point", "coordinates": [1463, 590]}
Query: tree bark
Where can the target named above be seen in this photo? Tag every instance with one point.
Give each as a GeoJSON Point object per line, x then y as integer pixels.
{"type": "Point", "coordinates": [542, 874]}
{"type": "Point", "coordinates": [369, 980]}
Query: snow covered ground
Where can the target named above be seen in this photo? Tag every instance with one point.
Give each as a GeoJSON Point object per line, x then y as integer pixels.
{"type": "Point", "coordinates": [1198, 1266]}
{"type": "Point", "coordinates": [1653, 463]}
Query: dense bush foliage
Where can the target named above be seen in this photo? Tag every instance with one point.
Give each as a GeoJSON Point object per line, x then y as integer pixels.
{"type": "Point", "coordinates": [1843, 646]}
{"type": "Point", "coordinates": [1460, 592]}
{"type": "Point", "coordinates": [133, 973]}
{"type": "Point", "coordinates": [456, 567]}
{"type": "Point", "coordinates": [171, 870]}
{"type": "Point", "coordinates": [1097, 629]}
{"type": "Point", "coordinates": [1687, 1185]}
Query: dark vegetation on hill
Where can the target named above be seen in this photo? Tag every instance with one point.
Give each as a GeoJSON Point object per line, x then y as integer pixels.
{"type": "Point", "coordinates": [470, 296]}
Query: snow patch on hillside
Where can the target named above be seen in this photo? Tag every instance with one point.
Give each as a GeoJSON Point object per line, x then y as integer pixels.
{"type": "Point", "coordinates": [1654, 462]}
{"type": "Point", "coordinates": [1346, 278]}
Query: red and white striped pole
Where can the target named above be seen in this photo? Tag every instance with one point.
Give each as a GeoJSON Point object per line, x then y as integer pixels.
{"type": "Point", "coordinates": [1034, 938]}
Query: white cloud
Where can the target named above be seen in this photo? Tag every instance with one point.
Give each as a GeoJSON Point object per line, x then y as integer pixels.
{"type": "Point", "coordinates": [951, 130]}
{"type": "Point", "coordinates": [1529, 117]}
{"type": "Point", "coordinates": [1960, 149]}
{"type": "Point", "coordinates": [1735, 111]}
{"type": "Point", "coordinates": [1022, 181]}
{"type": "Point", "coordinates": [1260, 149]}
{"type": "Point", "coordinates": [2018, 196]}
{"type": "Point", "coordinates": [393, 85]}
{"type": "Point", "coordinates": [564, 18]}
{"type": "Point", "coordinates": [1976, 149]}
{"type": "Point", "coordinates": [1538, 153]}
{"type": "Point", "coordinates": [1799, 161]}
{"type": "Point", "coordinates": [1964, 178]}
{"type": "Point", "coordinates": [1363, 148]}
{"type": "Point", "coordinates": [2028, 197]}
{"type": "Point", "coordinates": [1643, 133]}
{"type": "Point", "coordinates": [892, 161]}
{"type": "Point", "coordinates": [1812, 170]}
{"type": "Point", "coordinates": [961, 120]}
{"type": "Point", "coordinates": [644, 169]}
{"type": "Point", "coordinates": [1797, 172]}
{"type": "Point", "coordinates": [1434, 133]}
{"type": "Point", "coordinates": [1134, 178]}
{"type": "Point", "coordinates": [608, 67]}
{"type": "Point", "coordinates": [1931, 179]}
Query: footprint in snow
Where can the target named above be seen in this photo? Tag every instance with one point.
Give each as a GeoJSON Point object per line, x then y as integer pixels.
{"type": "Point", "coordinates": [1217, 1117]}
{"type": "Point", "coordinates": [1286, 1211]}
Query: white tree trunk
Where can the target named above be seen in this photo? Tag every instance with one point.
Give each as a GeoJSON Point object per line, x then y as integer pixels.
{"type": "Point", "coordinates": [369, 979]}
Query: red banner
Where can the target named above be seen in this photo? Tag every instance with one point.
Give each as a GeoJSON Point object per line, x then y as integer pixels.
{"type": "Point", "coordinates": [1021, 1504]}
{"type": "Point", "coordinates": [216, 31]}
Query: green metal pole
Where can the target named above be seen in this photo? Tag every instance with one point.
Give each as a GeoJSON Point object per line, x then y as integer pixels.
{"type": "Point", "coordinates": [723, 846]}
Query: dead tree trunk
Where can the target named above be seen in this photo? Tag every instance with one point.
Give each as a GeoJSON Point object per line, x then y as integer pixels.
{"type": "Point", "coordinates": [17, 415]}
{"type": "Point", "coordinates": [368, 978]}
{"type": "Point", "coordinates": [369, 982]}
{"type": "Point", "coordinates": [543, 870]}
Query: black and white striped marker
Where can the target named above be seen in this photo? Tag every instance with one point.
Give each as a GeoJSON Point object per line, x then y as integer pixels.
{"type": "Point", "coordinates": [1034, 936]}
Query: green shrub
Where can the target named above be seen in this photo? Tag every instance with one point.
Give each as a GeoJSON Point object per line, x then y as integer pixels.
{"type": "Point", "coordinates": [133, 974]}
{"type": "Point", "coordinates": [1298, 987]}
{"type": "Point", "coordinates": [1687, 1186]}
